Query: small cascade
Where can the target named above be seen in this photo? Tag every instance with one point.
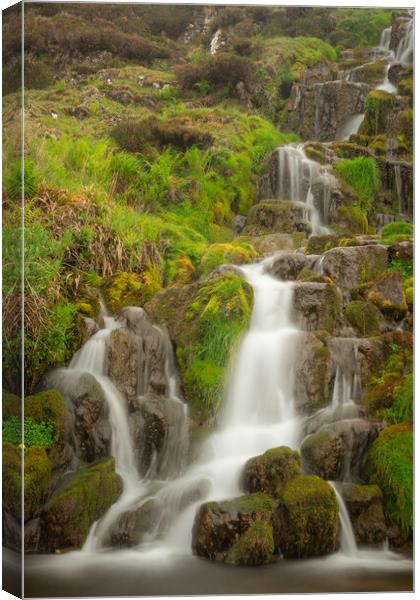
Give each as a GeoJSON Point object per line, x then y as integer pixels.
{"type": "Point", "coordinates": [398, 186]}
{"type": "Point", "coordinates": [404, 53]}
{"type": "Point", "coordinates": [216, 42]}
{"type": "Point", "coordinates": [300, 179]}
{"type": "Point", "coordinates": [385, 40]}
{"type": "Point", "coordinates": [350, 127]}
{"type": "Point", "coordinates": [348, 545]}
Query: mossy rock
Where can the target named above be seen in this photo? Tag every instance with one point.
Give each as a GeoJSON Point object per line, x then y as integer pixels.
{"type": "Point", "coordinates": [310, 276]}
{"type": "Point", "coordinates": [11, 405]}
{"type": "Point", "coordinates": [380, 396]}
{"type": "Point", "coordinates": [378, 106]}
{"type": "Point", "coordinates": [236, 253]}
{"type": "Point", "coordinates": [88, 305]}
{"type": "Point", "coordinates": [317, 306]}
{"type": "Point", "coordinates": [219, 525]}
{"type": "Point", "coordinates": [371, 72]}
{"type": "Point", "coordinates": [307, 516]}
{"type": "Point", "coordinates": [387, 294]}
{"type": "Point", "coordinates": [350, 220]}
{"type": "Point", "coordinates": [185, 270]}
{"type": "Point", "coordinates": [276, 216]}
{"type": "Point", "coordinates": [349, 150]}
{"type": "Point", "coordinates": [405, 127]}
{"type": "Point", "coordinates": [405, 87]}
{"type": "Point", "coordinates": [364, 505]}
{"type": "Point", "coordinates": [363, 316]}
{"type": "Point", "coordinates": [254, 547]}
{"type": "Point", "coordinates": [318, 244]}
{"type": "Point", "coordinates": [130, 289]}
{"type": "Point", "coordinates": [316, 152]}
{"type": "Point", "coordinates": [390, 466]}
{"type": "Point", "coordinates": [84, 498]}
{"type": "Point", "coordinates": [271, 471]}
{"type": "Point", "coordinates": [37, 475]}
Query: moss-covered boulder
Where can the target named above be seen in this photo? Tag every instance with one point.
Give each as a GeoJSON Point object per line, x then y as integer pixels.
{"type": "Point", "coordinates": [219, 527]}
{"type": "Point", "coordinates": [364, 505]}
{"type": "Point", "coordinates": [309, 275]}
{"type": "Point", "coordinates": [273, 242]}
{"type": "Point", "coordinates": [380, 395]}
{"type": "Point", "coordinates": [387, 294]}
{"type": "Point", "coordinates": [363, 316]}
{"type": "Point", "coordinates": [133, 525]}
{"type": "Point", "coordinates": [254, 547]}
{"type": "Point", "coordinates": [237, 253]}
{"type": "Point", "coordinates": [130, 289]}
{"type": "Point", "coordinates": [339, 449]}
{"type": "Point", "coordinates": [205, 321]}
{"type": "Point", "coordinates": [318, 244]}
{"type": "Point", "coordinates": [37, 476]}
{"type": "Point", "coordinates": [379, 106]}
{"type": "Point", "coordinates": [314, 373]}
{"type": "Point", "coordinates": [351, 266]}
{"type": "Point", "coordinates": [276, 216]}
{"type": "Point", "coordinates": [317, 306]}
{"type": "Point", "coordinates": [271, 471]}
{"type": "Point", "coordinates": [85, 497]}
{"type": "Point", "coordinates": [390, 466]}
{"type": "Point", "coordinates": [350, 220]}
{"type": "Point", "coordinates": [285, 266]}
{"type": "Point", "coordinates": [307, 516]}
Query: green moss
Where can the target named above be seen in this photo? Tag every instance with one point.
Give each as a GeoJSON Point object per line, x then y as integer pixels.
{"type": "Point", "coordinates": [402, 401]}
{"type": "Point", "coordinates": [397, 231]}
{"type": "Point", "coordinates": [316, 152]}
{"type": "Point", "coordinates": [380, 395]}
{"type": "Point", "coordinates": [372, 72]}
{"type": "Point", "coordinates": [271, 471]}
{"type": "Point", "coordinates": [363, 317]}
{"type": "Point", "coordinates": [390, 465]}
{"type": "Point", "coordinates": [69, 514]}
{"type": "Point", "coordinates": [50, 406]}
{"type": "Point", "coordinates": [308, 514]}
{"type": "Point", "coordinates": [257, 503]}
{"type": "Point", "coordinates": [12, 479]}
{"type": "Point", "coordinates": [349, 150]}
{"type": "Point", "coordinates": [378, 106]}
{"type": "Point", "coordinates": [363, 175]}
{"type": "Point", "coordinates": [88, 305]}
{"type": "Point", "coordinates": [309, 275]}
{"type": "Point", "coordinates": [350, 220]}
{"type": "Point", "coordinates": [11, 405]}
{"type": "Point", "coordinates": [129, 289]}
{"type": "Point", "coordinates": [236, 253]}
{"type": "Point", "coordinates": [405, 123]}
{"type": "Point", "coordinates": [405, 87]}
{"type": "Point", "coordinates": [254, 547]}
{"type": "Point", "coordinates": [318, 244]}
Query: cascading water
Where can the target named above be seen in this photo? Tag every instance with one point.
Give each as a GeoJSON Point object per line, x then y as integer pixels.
{"type": "Point", "coordinates": [297, 178]}
{"type": "Point", "coordinates": [348, 545]}
{"type": "Point", "coordinates": [404, 53]}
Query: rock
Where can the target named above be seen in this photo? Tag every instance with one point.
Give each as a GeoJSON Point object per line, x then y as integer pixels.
{"type": "Point", "coordinates": [268, 244]}
{"type": "Point", "coordinates": [351, 266]}
{"type": "Point", "coordinates": [319, 111]}
{"type": "Point", "coordinates": [387, 294]}
{"type": "Point", "coordinates": [314, 374]}
{"type": "Point", "coordinates": [339, 449]}
{"type": "Point", "coordinates": [317, 306]}
{"type": "Point", "coordinates": [218, 526]}
{"type": "Point", "coordinates": [88, 328]}
{"type": "Point", "coordinates": [364, 505]}
{"type": "Point", "coordinates": [137, 355]}
{"type": "Point", "coordinates": [307, 518]}
{"type": "Point", "coordinates": [159, 428]}
{"type": "Point", "coordinates": [364, 317]}
{"type": "Point", "coordinates": [254, 547]}
{"type": "Point", "coordinates": [277, 216]}
{"type": "Point", "coordinates": [12, 533]}
{"type": "Point", "coordinates": [37, 475]}
{"type": "Point", "coordinates": [238, 223]}
{"type": "Point", "coordinates": [285, 266]}
{"type": "Point", "coordinates": [402, 250]}
{"type": "Point", "coordinates": [132, 525]}
{"type": "Point", "coordinates": [271, 471]}
{"type": "Point", "coordinates": [400, 22]}
{"type": "Point", "coordinates": [67, 517]}
{"type": "Point", "coordinates": [318, 244]}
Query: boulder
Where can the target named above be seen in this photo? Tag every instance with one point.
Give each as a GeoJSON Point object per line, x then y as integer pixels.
{"type": "Point", "coordinates": [85, 497]}
{"type": "Point", "coordinates": [88, 327]}
{"type": "Point", "coordinates": [387, 294]}
{"type": "Point", "coordinates": [271, 471]}
{"type": "Point", "coordinates": [364, 317]}
{"type": "Point", "coordinates": [314, 376]}
{"type": "Point", "coordinates": [137, 355]}
{"type": "Point", "coordinates": [353, 265]}
{"type": "Point", "coordinates": [273, 242]}
{"type": "Point", "coordinates": [12, 533]}
{"type": "Point", "coordinates": [402, 250]}
{"type": "Point", "coordinates": [132, 525]}
{"type": "Point", "coordinates": [219, 526]}
{"type": "Point", "coordinates": [285, 266]}
{"type": "Point", "coordinates": [254, 547]}
{"type": "Point", "coordinates": [307, 518]}
{"type": "Point", "coordinates": [339, 449]}
{"type": "Point", "coordinates": [364, 505]}
{"type": "Point", "coordinates": [277, 216]}
{"type": "Point", "coordinates": [318, 244]}
{"type": "Point", "coordinates": [317, 306]}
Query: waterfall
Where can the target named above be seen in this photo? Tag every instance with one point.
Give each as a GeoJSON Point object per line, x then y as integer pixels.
{"type": "Point", "coordinates": [398, 186]}
{"type": "Point", "coordinates": [385, 40]}
{"type": "Point", "coordinates": [404, 53]}
{"type": "Point", "coordinates": [300, 179]}
{"type": "Point", "coordinates": [348, 544]}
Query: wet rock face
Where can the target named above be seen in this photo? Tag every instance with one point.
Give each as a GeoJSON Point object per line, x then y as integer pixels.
{"type": "Point", "coordinates": [400, 21]}
{"type": "Point", "coordinates": [351, 266]}
{"type": "Point", "coordinates": [302, 530]}
{"type": "Point", "coordinates": [274, 242]}
{"type": "Point", "coordinates": [277, 217]}
{"type": "Point", "coordinates": [317, 306]}
{"type": "Point", "coordinates": [287, 267]}
{"type": "Point", "coordinates": [132, 525]}
{"type": "Point", "coordinates": [388, 295]}
{"type": "Point", "coordinates": [319, 111]}
{"type": "Point", "coordinates": [339, 449]}
{"type": "Point", "coordinates": [271, 471]}
{"type": "Point", "coordinates": [314, 374]}
{"type": "Point", "coordinates": [364, 505]}
{"type": "Point", "coordinates": [137, 355]}
{"type": "Point", "coordinates": [220, 526]}
{"type": "Point", "coordinates": [397, 181]}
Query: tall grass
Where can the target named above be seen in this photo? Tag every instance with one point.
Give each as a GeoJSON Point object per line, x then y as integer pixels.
{"type": "Point", "coordinates": [363, 175]}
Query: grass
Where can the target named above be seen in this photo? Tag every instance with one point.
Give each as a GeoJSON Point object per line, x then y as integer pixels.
{"type": "Point", "coordinates": [363, 175]}
{"type": "Point", "coordinates": [396, 232]}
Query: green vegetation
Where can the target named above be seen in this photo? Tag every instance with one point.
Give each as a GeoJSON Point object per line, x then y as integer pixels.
{"type": "Point", "coordinates": [39, 434]}
{"type": "Point", "coordinates": [362, 174]}
{"type": "Point", "coordinates": [390, 465]}
{"type": "Point", "coordinates": [397, 231]}
{"type": "Point", "coordinates": [237, 253]}
{"type": "Point", "coordinates": [378, 106]}
{"type": "Point", "coordinates": [363, 316]}
{"type": "Point", "coordinates": [254, 547]}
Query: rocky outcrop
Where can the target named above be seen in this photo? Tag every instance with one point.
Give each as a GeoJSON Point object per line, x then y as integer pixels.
{"type": "Point", "coordinates": [317, 306]}
{"type": "Point", "coordinates": [351, 266]}
{"type": "Point", "coordinates": [88, 493]}
{"type": "Point", "coordinates": [339, 449]}
{"type": "Point", "coordinates": [220, 530]}
{"type": "Point", "coordinates": [137, 355]}
{"type": "Point", "coordinates": [271, 471]}
{"type": "Point", "coordinates": [274, 242]}
{"type": "Point", "coordinates": [307, 518]}
{"type": "Point", "coordinates": [364, 505]}
{"type": "Point", "coordinates": [276, 216]}
{"type": "Point", "coordinates": [287, 267]}
{"type": "Point", "coordinates": [388, 295]}
{"type": "Point", "coordinates": [319, 111]}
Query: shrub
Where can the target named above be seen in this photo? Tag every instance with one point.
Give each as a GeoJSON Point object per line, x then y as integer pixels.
{"type": "Point", "coordinates": [397, 231]}
{"type": "Point", "coordinates": [222, 70]}
{"type": "Point", "coordinates": [402, 406]}
{"type": "Point", "coordinates": [219, 254]}
{"type": "Point", "coordinates": [13, 179]}
{"type": "Point", "coordinates": [363, 175]}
